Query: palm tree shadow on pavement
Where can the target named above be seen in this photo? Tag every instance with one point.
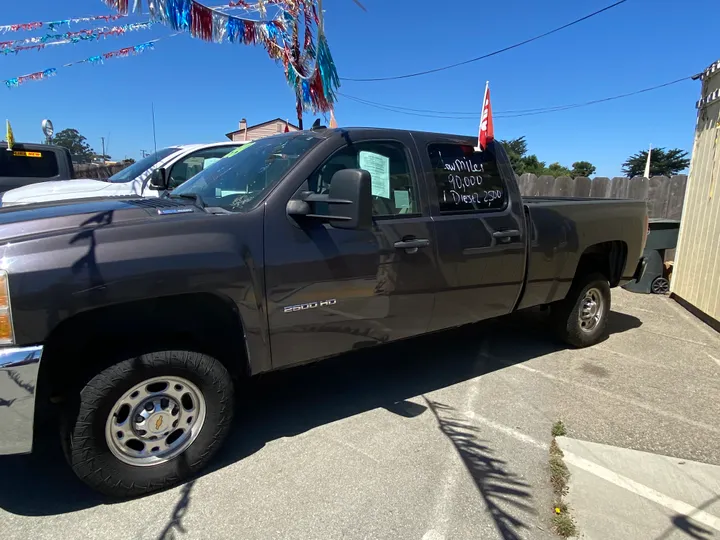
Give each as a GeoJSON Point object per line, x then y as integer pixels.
{"type": "Point", "coordinates": [507, 497]}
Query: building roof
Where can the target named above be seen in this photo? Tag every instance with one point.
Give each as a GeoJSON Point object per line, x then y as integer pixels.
{"type": "Point", "coordinates": [229, 135]}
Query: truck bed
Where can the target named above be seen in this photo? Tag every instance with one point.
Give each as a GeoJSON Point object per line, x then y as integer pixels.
{"type": "Point", "coordinates": [560, 230]}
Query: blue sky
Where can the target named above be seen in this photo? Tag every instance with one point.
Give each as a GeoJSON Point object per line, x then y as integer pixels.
{"type": "Point", "coordinates": [201, 90]}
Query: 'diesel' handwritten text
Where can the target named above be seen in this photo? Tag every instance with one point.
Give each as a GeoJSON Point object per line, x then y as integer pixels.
{"type": "Point", "coordinates": [476, 197]}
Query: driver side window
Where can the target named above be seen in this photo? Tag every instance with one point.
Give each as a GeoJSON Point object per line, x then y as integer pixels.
{"type": "Point", "coordinates": [193, 163]}
{"type": "Point", "coordinates": [393, 189]}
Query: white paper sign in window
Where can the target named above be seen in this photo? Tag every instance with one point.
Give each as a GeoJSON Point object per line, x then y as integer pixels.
{"type": "Point", "coordinates": [402, 198]}
{"type": "Point", "coordinates": [379, 168]}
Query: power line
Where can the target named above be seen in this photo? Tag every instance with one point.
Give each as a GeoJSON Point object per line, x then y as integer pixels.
{"type": "Point", "coordinates": [488, 55]}
{"type": "Point", "coordinates": [459, 115]}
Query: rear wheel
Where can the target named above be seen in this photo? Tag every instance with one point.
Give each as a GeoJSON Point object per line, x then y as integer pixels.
{"type": "Point", "coordinates": [580, 319]}
{"type": "Point", "coordinates": [148, 423]}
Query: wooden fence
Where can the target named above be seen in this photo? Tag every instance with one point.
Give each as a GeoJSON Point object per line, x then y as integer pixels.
{"type": "Point", "coordinates": [664, 196]}
{"type": "Point", "coordinates": [97, 171]}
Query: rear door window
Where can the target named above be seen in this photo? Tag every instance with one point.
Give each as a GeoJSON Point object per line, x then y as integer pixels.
{"type": "Point", "coordinates": [28, 164]}
{"type": "Point", "coordinates": [466, 180]}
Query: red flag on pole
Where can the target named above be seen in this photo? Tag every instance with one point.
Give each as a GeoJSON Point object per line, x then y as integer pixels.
{"type": "Point", "coordinates": [487, 133]}
{"type": "Point", "coordinates": [287, 126]}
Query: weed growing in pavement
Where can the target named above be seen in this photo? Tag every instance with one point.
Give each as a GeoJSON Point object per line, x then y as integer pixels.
{"type": "Point", "coordinates": [564, 525]}
{"type": "Point", "coordinates": [558, 429]}
{"type": "Point", "coordinates": [559, 475]}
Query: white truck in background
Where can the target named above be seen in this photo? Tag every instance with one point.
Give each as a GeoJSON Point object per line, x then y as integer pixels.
{"type": "Point", "coordinates": [181, 162]}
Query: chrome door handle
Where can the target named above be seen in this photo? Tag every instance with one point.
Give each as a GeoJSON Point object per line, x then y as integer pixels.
{"type": "Point", "coordinates": [412, 244]}
{"type": "Point", "coordinates": [506, 234]}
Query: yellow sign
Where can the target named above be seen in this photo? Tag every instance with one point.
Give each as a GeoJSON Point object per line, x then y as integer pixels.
{"type": "Point", "coordinates": [27, 154]}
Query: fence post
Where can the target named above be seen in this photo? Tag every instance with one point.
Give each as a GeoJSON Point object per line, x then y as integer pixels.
{"type": "Point", "coordinates": [658, 192]}
{"type": "Point", "coordinates": [545, 185]}
{"type": "Point", "coordinates": [600, 187]}
{"type": "Point", "coordinates": [638, 188]}
{"type": "Point", "coordinates": [563, 186]}
{"type": "Point", "coordinates": [619, 187]}
{"type": "Point", "coordinates": [676, 197]}
{"type": "Point", "coordinates": [582, 187]}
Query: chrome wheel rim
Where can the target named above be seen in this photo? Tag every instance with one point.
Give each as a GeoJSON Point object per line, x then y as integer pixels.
{"type": "Point", "coordinates": [155, 421]}
{"type": "Point", "coordinates": [591, 310]}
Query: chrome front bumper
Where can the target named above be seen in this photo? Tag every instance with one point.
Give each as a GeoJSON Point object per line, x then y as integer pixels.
{"type": "Point", "coordinates": [19, 370]}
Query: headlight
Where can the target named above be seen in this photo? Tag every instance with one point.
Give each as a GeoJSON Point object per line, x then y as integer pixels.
{"type": "Point", "coordinates": [7, 336]}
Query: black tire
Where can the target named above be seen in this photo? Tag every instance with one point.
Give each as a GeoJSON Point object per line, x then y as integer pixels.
{"type": "Point", "coordinates": [83, 427]}
{"type": "Point", "coordinates": [565, 315]}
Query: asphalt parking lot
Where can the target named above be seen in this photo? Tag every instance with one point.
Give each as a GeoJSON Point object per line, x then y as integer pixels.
{"type": "Point", "coordinates": [441, 437]}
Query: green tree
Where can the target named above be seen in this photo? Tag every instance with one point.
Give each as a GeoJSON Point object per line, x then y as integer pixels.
{"type": "Point", "coordinates": [75, 142]}
{"type": "Point", "coordinates": [516, 150]}
{"type": "Point", "coordinates": [533, 165]}
{"type": "Point", "coordinates": [582, 168]}
{"type": "Point", "coordinates": [555, 169]}
{"type": "Point", "coordinates": [662, 163]}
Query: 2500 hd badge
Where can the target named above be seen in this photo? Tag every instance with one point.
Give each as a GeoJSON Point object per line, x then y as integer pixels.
{"type": "Point", "coordinates": [309, 305]}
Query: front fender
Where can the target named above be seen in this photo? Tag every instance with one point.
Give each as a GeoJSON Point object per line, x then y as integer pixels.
{"type": "Point", "coordinates": [54, 278]}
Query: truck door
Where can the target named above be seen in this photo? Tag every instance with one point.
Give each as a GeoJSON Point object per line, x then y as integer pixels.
{"type": "Point", "coordinates": [480, 231]}
{"type": "Point", "coordinates": [332, 290]}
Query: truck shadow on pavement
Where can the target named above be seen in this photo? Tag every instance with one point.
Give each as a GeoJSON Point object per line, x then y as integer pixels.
{"type": "Point", "coordinates": [291, 402]}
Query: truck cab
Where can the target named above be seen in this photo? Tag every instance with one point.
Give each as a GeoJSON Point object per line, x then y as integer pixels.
{"type": "Point", "coordinates": [30, 164]}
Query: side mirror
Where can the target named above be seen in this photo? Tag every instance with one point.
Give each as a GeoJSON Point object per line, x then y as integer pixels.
{"type": "Point", "coordinates": [349, 201]}
{"type": "Point", "coordinates": [158, 179]}
{"type": "Point", "coordinates": [353, 185]}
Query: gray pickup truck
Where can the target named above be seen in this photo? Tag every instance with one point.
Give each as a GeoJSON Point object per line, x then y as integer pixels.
{"type": "Point", "coordinates": [29, 163]}
{"type": "Point", "coordinates": [137, 317]}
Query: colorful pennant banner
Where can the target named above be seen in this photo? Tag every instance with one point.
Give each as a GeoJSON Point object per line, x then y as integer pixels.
{"type": "Point", "coordinates": [98, 59]}
{"type": "Point", "coordinates": [38, 43]}
{"type": "Point", "coordinates": [309, 69]}
{"type": "Point", "coordinates": [52, 25]}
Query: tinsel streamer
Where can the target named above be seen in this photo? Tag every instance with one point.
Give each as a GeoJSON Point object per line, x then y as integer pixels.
{"type": "Point", "coordinates": [249, 33]}
{"type": "Point", "coordinates": [38, 75]}
{"type": "Point", "coordinates": [97, 59]}
{"type": "Point", "coordinates": [220, 27]}
{"type": "Point", "coordinates": [52, 25]}
{"type": "Point", "coordinates": [9, 47]}
{"type": "Point", "coordinates": [309, 69]}
{"type": "Point", "coordinates": [327, 70]}
{"type": "Point", "coordinates": [202, 21]}
{"type": "Point", "coordinates": [24, 27]}
{"type": "Point", "coordinates": [177, 13]}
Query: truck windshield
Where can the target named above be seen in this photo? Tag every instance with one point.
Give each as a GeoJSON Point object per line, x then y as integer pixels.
{"type": "Point", "coordinates": [139, 167]}
{"type": "Point", "coordinates": [241, 178]}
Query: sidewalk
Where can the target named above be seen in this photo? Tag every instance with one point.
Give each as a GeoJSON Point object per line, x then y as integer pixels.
{"type": "Point", "coordinates": [616, 493]}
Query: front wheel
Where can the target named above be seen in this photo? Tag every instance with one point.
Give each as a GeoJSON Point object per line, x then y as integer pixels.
{"type": "Point", "coordinates": [148, 423]}
{"type": "Point", "coordinates": [580, 319]}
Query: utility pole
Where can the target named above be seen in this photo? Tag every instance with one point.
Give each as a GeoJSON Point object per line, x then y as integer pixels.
{"type": "Point", "coordinates": [144, 153]}
{"type": "Point", "coordinates": [103, 149]}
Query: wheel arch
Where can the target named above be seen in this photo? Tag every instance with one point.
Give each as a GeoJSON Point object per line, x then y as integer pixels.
{"type": "Point", "coordinates": [608, 258]}
{"type": "Point", "coordinates": [209, 323]}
